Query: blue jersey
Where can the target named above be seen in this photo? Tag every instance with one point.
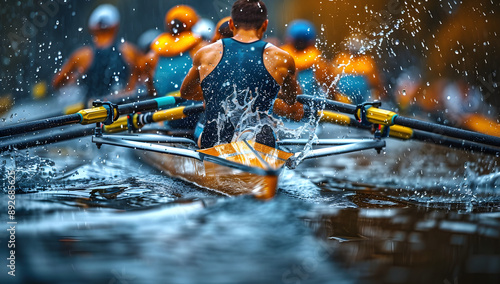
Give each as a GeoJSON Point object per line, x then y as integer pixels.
{"type": "Point", "coordinates": [355, 87]}
{"type": "Point", "coordinates": [240, 80]}
{"type": "Point", "coordinates": [170, 72]}
{"type": "Point", "coordinates": [168, 77]}
{"type": "Point", "coordinates": [308, 82]}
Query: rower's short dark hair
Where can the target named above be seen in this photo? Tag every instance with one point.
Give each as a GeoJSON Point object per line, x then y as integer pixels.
{"type": "Point", "coordinates": [249, 14]}
{"type": "Point", "coordinates": [225, 31]}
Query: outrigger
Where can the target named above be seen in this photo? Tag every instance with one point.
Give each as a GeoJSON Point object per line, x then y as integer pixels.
{"type": "Point", "coordinates": [242, 167]}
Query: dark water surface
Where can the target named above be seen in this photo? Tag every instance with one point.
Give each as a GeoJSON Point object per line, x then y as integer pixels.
{"type": "Point", "coordinates": [414, 214]}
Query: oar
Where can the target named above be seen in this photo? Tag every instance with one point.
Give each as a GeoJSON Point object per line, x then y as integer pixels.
{"type": "Point", "coordinates": [40, 139]}
{"type": "Point", "coordinates": [104, 112]}
{"type": "Point", "coordinates": [138, 120]}
{"type": "Point", "coordinates": [383, 117]}
{"type": "Point", "coordinates": [406, 133]}
{"type": "Point", "coordinates": [74, 108]}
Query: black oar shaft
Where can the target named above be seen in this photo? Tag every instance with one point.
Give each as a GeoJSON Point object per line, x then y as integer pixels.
{"type": "Point", "coordinates": [454, 143]}
{"type": "Point", "coordinates": [40, 124]}
{"type": "Point", "coordinates": [447, 131]}
{"type": "Point", "coordinates": [148, 105]}
{"type": "Point", "coordinates": [320, 103]}
{"type": "Point", "coordinates": [23, 142]}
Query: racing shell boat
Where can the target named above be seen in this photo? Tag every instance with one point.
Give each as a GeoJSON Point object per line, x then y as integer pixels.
{"type": "Point", "coordinates": [238, 168]}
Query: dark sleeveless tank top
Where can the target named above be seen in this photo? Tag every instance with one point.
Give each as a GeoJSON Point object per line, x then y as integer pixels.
{"type": "Point", "coordinates": [239, 80]}
{"type": "Point", "coordinates": [109, 72]}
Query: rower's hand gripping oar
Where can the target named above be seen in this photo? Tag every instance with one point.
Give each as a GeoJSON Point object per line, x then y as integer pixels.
{"type": "Point", "coordinates": [374, 115]}
{"type": "Point", "coordinates": [102, 112]}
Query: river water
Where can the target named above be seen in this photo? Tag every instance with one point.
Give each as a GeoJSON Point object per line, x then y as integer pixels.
{"type": "Point", "coordinates": [415, 213]}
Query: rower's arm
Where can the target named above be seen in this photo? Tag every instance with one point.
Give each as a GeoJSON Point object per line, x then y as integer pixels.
{"type": "Point", "coordinates": [289, 90]}
{"type": "Point", "coordinates": [132, 57]}
{"type": "Point", "coordinates": [150, 60]}
{"type": "Point", "coordinates": [290, 86]}
{"type": "Point", "coordinates": [77, 65]}
{"type": "Point", "coordinates": [191, 86]}
{"type": "Point", "coordinates": [286, 104]}
{"type": "Point", "coordinates": [295, 112]}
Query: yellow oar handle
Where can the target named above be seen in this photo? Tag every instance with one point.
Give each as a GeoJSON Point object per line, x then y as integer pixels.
{"type": "Point", "coordinates": [139, 120]}
{"type": "Point", "coordinates": [400, 132]}
{"type": "Point", "coordinates": [165, 115]}
{"type": "Point", "coordinates": [174, 94]}
{"type": "Point", "coordinates": [334, 117]}
{"type": "Point", "coordinates": [93, 115]}
{"type": "Point", "coordinates": [120, 125]}
{"type": "Point", "coordinates": [169, 114]}
{"type": "Point", "coordinates": [379, 116]}
{"type": "Point", "coordinates": [395, 131]}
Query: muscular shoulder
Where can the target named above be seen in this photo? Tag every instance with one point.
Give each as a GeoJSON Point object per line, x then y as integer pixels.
{"type": "Point", "coordinates": [279, 57]}
{"type": "Point", "coordinates": [272, 49]}
{"type": "Point", "coordinates": [208, 55]}
{"type": "Point", "coordinates": [279, 63]}
{"type": "Point", "coordinates": [209, 50]}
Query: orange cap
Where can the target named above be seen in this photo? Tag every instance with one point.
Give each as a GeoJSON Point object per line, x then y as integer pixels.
{"type": "Point", "coordinates": [184, 14]}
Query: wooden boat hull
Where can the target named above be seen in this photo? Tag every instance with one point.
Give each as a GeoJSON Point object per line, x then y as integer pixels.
{"type": "Point", "coordinates": [259, 179]}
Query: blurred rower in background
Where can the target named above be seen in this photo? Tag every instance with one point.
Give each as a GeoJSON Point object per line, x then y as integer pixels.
{"type": "Point", "coordinates": [144, 43]}
{"type": "Point", "coordinates": [172, 51]}
{"type": "Point", "coordinates": [105, 67]}
{"type": "Point", "coordinates": [459, 104]}
{"type": "Point", "coordinates": [300, 44]}
{"type": "Point", "coordinates": [171, 58]}
{"type": "Point", "coordinates": [464, 107]}
{"type": "Point", "coordinates": [446, 101]}
{"type": "Point", "coordinates": [356, 75]}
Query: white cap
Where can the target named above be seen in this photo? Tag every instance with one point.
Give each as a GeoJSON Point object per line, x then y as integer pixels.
{"type": "Point", "coordinates": [204, 28]}
{"type": "Point", "coordinates": [104, 16]}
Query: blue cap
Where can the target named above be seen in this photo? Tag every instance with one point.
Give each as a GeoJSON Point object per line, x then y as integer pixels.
{"type": "Point", "coordinates": [301, 30]}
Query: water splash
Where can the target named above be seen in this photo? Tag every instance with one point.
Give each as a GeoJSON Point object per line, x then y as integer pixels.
{"type": "Point", "coordinates": [239, 110]}
{"type": "Point", "coordinates": [31, 172]}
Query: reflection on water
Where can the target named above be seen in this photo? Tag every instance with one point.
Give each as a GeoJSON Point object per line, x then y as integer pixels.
{"type": "Point", "coordinates": [412, 245]}
{"type": "Point", "coordinates": [207, 240]}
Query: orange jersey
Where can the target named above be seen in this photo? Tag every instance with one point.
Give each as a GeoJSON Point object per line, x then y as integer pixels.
{"type": "Point", "coordinates": [346, 63]}
{"type": "Point", "coordinates": [168, 45]}
{"type": "Point", "coordinates": [304, 59]}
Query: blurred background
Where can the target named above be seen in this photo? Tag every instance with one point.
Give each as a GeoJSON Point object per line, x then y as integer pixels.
{"type": "Point", "coordinates": [426, 41]}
